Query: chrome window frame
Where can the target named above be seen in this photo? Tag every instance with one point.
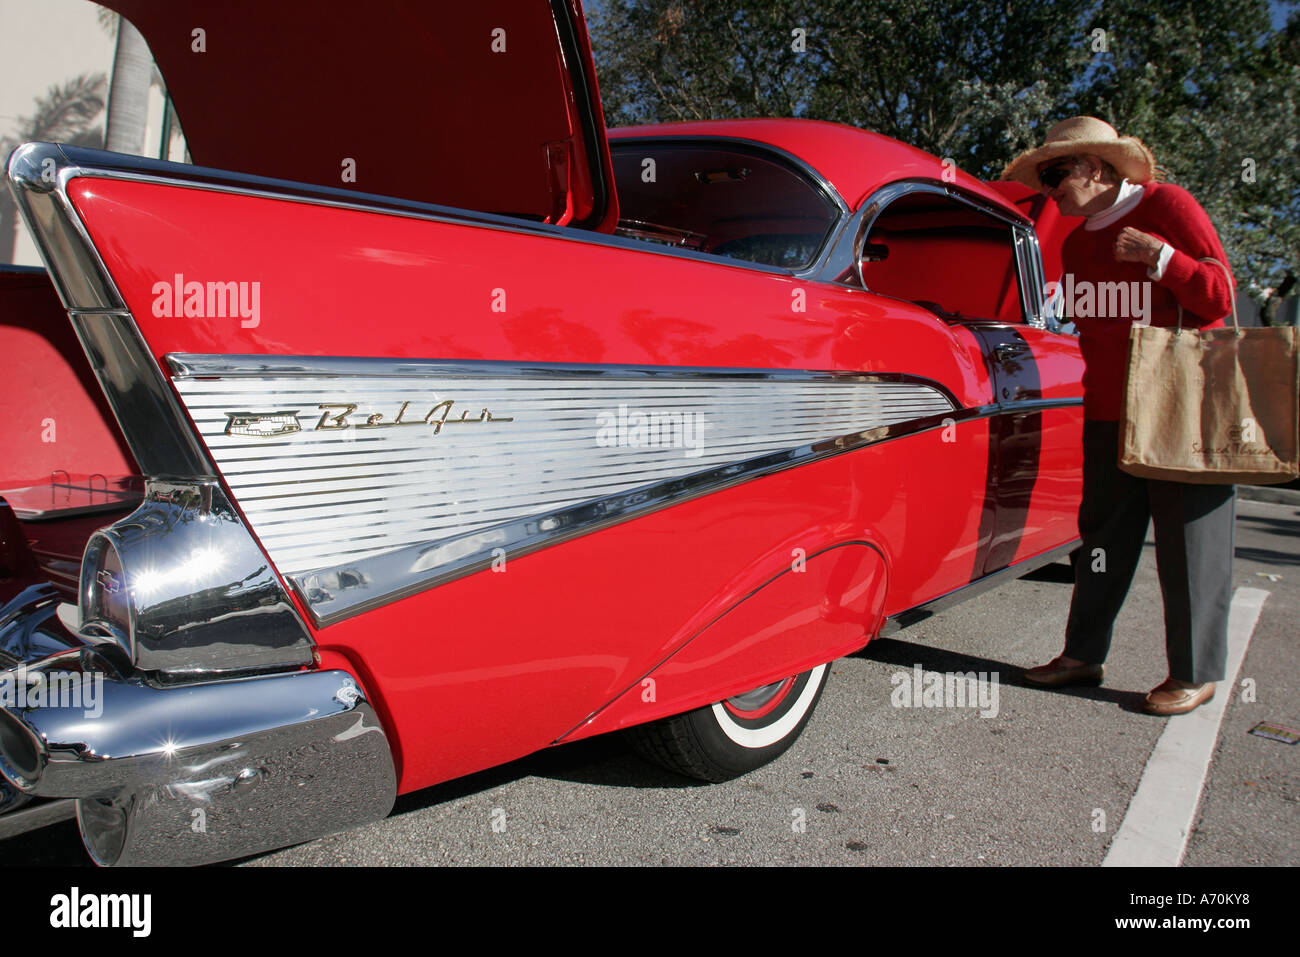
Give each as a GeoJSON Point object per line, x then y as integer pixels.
{"type": "Point", "coordinates": [1044, 318]}
{"type": "Point", "coordinates": [1024, 243]}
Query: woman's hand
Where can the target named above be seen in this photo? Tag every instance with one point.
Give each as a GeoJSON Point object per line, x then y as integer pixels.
{"type": "Point", "coordinates": [1134, 246]}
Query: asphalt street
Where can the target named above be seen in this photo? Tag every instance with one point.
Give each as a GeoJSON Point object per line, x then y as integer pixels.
{"type": "Point", "coordinates": [1047, 780]}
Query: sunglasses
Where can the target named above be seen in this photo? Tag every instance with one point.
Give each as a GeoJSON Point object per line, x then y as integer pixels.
{"type": "Point", "coordinates": [1052, 176]}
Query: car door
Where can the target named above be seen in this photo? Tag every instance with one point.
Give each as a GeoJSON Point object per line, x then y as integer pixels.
{"type": "Point", "coordinates": [978, 271]}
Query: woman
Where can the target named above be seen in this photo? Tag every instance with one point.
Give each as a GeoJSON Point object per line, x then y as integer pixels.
{"type": "Point", "coordinates": [1136, 231]}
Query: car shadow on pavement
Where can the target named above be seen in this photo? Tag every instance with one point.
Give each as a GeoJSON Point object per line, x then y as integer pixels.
{"type": "Point", "coordinates": [908, 654]}
{"type": "Point", "coordinates": [1266, 556]}
{"type": "Point", "coordinates": [606, 759]}
{"type": "Point", "coordinates": [1056, 573]}
{"type": "Point", "coordinates": [1282, 526]}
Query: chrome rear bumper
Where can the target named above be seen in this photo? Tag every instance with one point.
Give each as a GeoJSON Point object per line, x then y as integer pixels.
{"type": "Point", "coordinates": [185, 774]}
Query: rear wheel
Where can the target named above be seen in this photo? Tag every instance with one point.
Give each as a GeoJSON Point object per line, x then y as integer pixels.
{"type": "Point", "coordinates": [735, 736]}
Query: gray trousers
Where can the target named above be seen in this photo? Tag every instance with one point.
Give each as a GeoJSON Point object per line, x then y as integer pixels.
{"type": "Point", "coordinates": [1194, 547]}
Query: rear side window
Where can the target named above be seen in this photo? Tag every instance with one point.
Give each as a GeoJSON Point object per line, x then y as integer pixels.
{"type": "Point", "coordinates": [727, 201]}
{"type": "Point", "coordinates": [944, 255]}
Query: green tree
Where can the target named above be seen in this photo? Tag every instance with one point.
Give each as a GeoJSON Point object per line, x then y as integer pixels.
{"type": "Point", "coordinates": [668, 60]}
{"type": "Point", "coordinates": [943, 75]}
{"type": "Point", "coordinates": [962, 79]}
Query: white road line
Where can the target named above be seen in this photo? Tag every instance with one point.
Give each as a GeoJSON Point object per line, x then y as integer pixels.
{"type": "Point", "coordinates": [1159, 818]}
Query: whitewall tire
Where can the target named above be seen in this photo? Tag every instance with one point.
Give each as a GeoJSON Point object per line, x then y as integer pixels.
{"type": "Point", "coordinates": [733, 737]}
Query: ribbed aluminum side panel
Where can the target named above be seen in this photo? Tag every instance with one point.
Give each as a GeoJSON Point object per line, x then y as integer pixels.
{"type": "Point", "coordinates": [322, 498]}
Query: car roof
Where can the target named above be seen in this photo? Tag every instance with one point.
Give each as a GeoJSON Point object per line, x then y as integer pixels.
{"type": "Point", "coordinates": [855, 162]}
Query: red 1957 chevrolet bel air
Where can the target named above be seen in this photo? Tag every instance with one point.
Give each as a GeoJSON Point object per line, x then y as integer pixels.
{"type": "Point", "coordinates": [370, 454]}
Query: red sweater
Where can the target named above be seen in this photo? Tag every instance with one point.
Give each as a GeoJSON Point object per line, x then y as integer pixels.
{"type": "Point", "coordinates": [1170, 213]}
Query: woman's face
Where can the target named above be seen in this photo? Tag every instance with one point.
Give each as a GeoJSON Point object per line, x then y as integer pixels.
{"type": "Point", "coordinates": [1078, 190]}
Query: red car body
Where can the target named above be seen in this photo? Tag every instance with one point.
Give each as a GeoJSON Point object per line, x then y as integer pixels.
{"type": "Point", "coordinates": [496, 579]}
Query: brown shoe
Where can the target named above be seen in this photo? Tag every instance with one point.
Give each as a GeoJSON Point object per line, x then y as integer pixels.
{"type": "Point", "coordinates": [1172, 698]}
{"type": "Point", "coordinates": [1054, 674]}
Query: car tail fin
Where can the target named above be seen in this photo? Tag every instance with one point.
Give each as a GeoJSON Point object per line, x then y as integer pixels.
{"type": "Point", "coordinates": [181, 584]}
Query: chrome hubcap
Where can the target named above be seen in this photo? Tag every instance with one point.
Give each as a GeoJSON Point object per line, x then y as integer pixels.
{"type": "Point", "coordinates": [753, 700]}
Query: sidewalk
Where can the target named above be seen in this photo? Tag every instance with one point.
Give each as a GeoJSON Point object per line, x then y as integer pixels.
{"type": "Point", "coordinates": [1288, 494]}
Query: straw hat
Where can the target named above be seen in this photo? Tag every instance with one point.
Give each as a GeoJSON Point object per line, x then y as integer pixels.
{"type": "Point", "coordinates": [1086, 135]}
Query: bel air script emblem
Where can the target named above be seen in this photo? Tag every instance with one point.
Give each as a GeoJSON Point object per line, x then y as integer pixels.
{"type": "Point", "coordinates": [272, 424]}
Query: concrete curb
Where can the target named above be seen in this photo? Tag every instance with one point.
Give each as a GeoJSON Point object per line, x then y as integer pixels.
{"type": "Point", "coordinates": [1277, 494]}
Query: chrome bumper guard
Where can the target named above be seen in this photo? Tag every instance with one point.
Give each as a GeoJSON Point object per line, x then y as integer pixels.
{"type": "Point", "coordinates": [188, 774]}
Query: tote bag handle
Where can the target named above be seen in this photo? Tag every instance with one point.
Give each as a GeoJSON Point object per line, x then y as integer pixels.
{"type": "Point", "coordinates": [1231, 292]}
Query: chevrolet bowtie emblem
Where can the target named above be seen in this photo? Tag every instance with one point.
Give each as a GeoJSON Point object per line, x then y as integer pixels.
{"type": "Point", "coordinates": [263, 424]}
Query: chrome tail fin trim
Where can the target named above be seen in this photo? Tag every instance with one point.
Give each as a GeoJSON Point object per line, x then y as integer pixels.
{"type": "Point", "coordinates": [241, 618]}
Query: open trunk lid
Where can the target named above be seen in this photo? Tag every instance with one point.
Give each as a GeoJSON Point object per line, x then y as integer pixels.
{"type": "Point", "coordinates": [491, 107]}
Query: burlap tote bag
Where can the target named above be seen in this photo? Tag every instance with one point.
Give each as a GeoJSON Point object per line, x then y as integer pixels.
{"type": "Point", "coordinates": [1214, 406]}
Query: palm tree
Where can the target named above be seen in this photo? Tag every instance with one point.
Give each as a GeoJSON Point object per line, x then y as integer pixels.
{"type": "Point", "coordinates": [63, 115]}
{"type": "Point", "coordinates": [128, 94]}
